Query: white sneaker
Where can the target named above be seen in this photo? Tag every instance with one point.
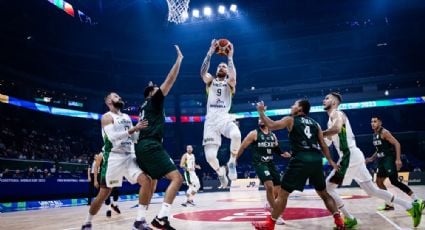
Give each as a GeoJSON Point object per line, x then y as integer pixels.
{"type": "Point", "coordinates": [223, 179]}
{"type": "Point", "coordinates": [280, 221]}
{"type": "Point", "coordinates": [233, 175]}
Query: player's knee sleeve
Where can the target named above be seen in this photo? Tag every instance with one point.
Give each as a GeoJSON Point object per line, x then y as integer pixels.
{"type": "Point", "coordinates": [235, 139]}
{"type": "Point", "coordinates": [211, 155]}
{"type": "Point", "coordinates": [372, 190]}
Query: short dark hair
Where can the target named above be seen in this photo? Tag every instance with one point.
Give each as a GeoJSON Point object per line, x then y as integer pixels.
{"type": "Point", "coordinates": [305, 105]}
{"type": "Point", "coordinates": [147, 90]}
{"type": "Point", "coordinates": [337, 95]}
{"type": "Point", "coordinates": [377, 117]}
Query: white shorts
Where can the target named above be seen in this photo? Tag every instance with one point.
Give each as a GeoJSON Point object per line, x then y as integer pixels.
{"type": "Point", "coordinates": [357, 172]}
{"type": "Point", "coordinates": [121, 165]}
{"type": "Point", "coordinates": [218, 125]}
{"type": "Point", "coordinates": [192, 180]}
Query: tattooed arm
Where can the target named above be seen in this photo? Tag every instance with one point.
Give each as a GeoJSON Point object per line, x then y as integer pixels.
{"type": "Point", "coordinates": [231, 68]}
{"type": "Point", "coordinates": [206, 77]}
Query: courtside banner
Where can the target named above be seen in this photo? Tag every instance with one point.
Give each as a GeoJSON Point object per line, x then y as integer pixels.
{"type": "Point", "coordinates": [242, 185]}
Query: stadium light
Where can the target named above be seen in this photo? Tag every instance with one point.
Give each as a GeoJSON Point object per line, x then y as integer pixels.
{"type": "Point", "coordinates": [221, 9]}
{"type": "Point", "coordinates": [233, 7]}
{"type": "Point", "coordinates": [207, 11]}
{"type": "Point", "coordinates": [195, 13]}
{"type": "Point", "coordinates": [185, 15]}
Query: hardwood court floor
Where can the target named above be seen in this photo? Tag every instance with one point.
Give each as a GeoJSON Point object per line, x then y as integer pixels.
{"type": "Point", "coordinates": [214, 211]}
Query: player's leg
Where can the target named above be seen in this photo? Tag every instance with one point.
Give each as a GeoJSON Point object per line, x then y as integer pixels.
{"type": "Point", "coordinates": [317, 179]}
{"type": "Point", "coordinates": [211, 157]}
{"type": "Point", "coordinates": [231, 131]}
{"type": "Point", "coordinates": [114, 195]}
{"type": "Point", "coordinates": [108, 205]}
{"type": "Point", "coordinates": [406, 189]}
{"type": "Point", "coordinates": [349, 220]}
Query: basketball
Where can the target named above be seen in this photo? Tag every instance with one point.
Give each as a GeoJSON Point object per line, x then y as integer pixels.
{"type": "Point", "coordinates": [223, 47]}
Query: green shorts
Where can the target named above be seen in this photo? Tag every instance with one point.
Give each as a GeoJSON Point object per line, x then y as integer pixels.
{"type": "Point", "coordinates": [299, 170]}
{"type": "Point", "coordinates": [153, 159]}
{"type": "Point", "coordinates": [386, 167]}
{"type": "Point", "coordinates": [339, 175]}
{"type": "Point", "coordinates": [267, 171]}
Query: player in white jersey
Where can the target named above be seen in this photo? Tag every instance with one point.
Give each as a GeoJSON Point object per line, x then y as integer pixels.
{"type": "Point", "coordinates": [218, 121]}
{"type": "Point", "coordinates": [352, 164]}
{"type": "Point", "coordinates": [189, 165]}
{"type": "Point", "coordinates": [119, 159]}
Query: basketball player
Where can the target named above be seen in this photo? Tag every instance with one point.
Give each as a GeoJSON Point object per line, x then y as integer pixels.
{"type": "Point", "coordinates": [263, 143]}
{"type": "Point", "coordinates": [98, 161]}
{"type": "Point", "coordinates": [352, 164]}
{"type": "Point", "coordinates": [218, 121]}
{"type": "Point", "coordinates": [189, 165]}
{"type": "Point", "coordinates": [388, 153]}
{"type": "Point", "coordinates": [151, 155]}
{"type": "Point", "coordinates": [119, 160]}
{"type": "Point", "coordinates": [307, 146]}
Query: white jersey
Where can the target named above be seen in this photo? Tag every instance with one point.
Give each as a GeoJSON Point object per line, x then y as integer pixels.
{"type": "Point", "coordinates": [190, 162]}
{"type": "Point", "coordinates": [121, 123]}
{"type": "Point", "coordinates": [346, 139]}
{"type": "Point", "coordinates": [219, 98]}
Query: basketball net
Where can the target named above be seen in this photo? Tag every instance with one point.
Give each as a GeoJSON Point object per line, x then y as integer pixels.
{"type": "Point", "coordinates": [177, 10]}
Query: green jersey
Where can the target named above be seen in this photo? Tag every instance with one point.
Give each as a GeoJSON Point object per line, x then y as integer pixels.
{"type": "Point", "coordinates": [263, 147]}
{"type": "Point", "coordinates": [152, 110]}
{"type": "Point", "coordinates": [383, 147]}
{"type": "Point", "coordinates": [304, 135]}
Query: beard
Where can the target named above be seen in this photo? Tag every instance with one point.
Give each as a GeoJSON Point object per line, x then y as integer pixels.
{"type": "Point", "coordinates": [327, 107]}
{"type": "Point", "coordinates": [221, 74]}
{"type": "Point", "coordinates": [118, 105]}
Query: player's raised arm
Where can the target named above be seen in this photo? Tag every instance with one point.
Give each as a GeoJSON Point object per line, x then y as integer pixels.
{"type": "Point", "coordinates": [246, 142]}
{"type": "Point", "coordinates": [172, 75]}
{"type": "Point", "coordinates": [283, 123]}
{"type": "Point", "coordinates": [207, 77]}
{"type": "Point", "coordinates": [231, 67]}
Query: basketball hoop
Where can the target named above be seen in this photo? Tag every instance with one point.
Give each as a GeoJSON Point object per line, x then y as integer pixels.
{"type": "Point", "coordinates": [177, 10]}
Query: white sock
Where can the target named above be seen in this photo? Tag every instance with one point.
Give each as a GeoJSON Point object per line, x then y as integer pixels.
{"type": "Point", "coordinates": [403, 203]}
{"type": "Point", "coordinates": [89, 218]}
{"type": "Point", "coordinates": [389, 203]}
{"type": "Point", "coordinates": [141, 212]}
{"type": "Point", "coordinates": [109, 207]}
{"type": "Point", "coordinates": [346, 212]}
{"type": "Point", "coordinates": [221, 172]}
{"type": "Point", "coordinates": [413, 196]}
{"type": "Point", "coordinates": [165, 210]}
{"type": "Point", "coordinates": [232, 159]}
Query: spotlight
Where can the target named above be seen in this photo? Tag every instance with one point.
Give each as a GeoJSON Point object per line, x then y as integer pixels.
{"type": "Point", "coordinates": [386, 93]}
{"type": "Point", "coordinates": [233, 7]}
{"type": "Point", "coordinates": [207, 11]}
{"type": "Point", "coordinates": [195, 13]}
{"type": "Point", "coordinates": [221, 9]}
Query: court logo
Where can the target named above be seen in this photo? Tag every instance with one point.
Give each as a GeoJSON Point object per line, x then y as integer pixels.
{"type": "Point", "coordinates": [250, 214]}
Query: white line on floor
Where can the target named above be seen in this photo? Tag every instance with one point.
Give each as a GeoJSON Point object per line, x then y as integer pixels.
{"type": "Point", "coordinates": [390, 221]}
{"type": "Point", "coordinates": [107, 222]}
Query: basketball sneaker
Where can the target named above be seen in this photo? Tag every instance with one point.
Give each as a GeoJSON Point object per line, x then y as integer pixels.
{"type": "Point", "coordinates": [280, 221]}
{"type": "Point", "coordinates": [350, 223]}
{"type": "Point", "coordinates": [268, 224]}
{"type": "Point", "coordinates": [223, 179]}
{"type": "Point", "coordinates": [233, 175]}
{"type": "Point", "coordinates": [386, 207]}
{"type": "Point", "coordinates": [416, 212]}
{"type": "Point", "coordinates": [108, 213]}
{"type": "Point", "coordinates": [339, 221]}
{"type": "Point", "coordinates": [115, 208]}
{"type": "Point", "coordinates": [86, 226]}
{"type": "Point", "coordinates": [162, 223]}
{"type": "Point", "coordinates": [191, 203]}
{"type": "Point", "coordinates": [141, 225]}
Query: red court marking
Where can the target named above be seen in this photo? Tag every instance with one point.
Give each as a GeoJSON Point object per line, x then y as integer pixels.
{"type": "Point", "coordinates": [304, 197]}
{"type": "Point", "coordinates": [250, 214]}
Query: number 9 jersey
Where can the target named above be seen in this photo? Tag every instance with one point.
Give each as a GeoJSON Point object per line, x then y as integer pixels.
{"type": "Point", "coordinates": [219, 98]}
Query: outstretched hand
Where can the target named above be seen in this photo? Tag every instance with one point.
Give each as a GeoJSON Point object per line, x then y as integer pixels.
{"type": "Point", "coordinates": [334, 165]}
{"type": "Point", "coordinates": [141, 125]}
{"type": "Point", "coordinates": [213, 47]}
{"type": "Point", "coordinates": [261, 107]}
{"type": "Point", "coordinates": [286, 155]}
